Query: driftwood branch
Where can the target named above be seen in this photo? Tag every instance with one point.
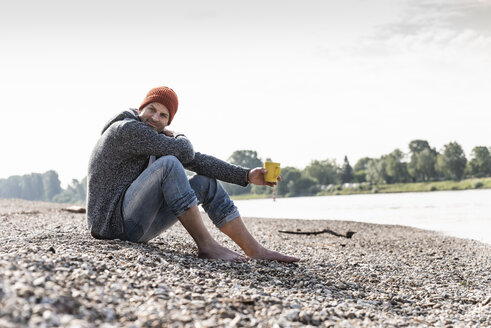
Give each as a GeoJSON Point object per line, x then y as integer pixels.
{"type": "Point", "coordinates": [74, 209]}
{"type": "Point", "coordinates": [348, 235]}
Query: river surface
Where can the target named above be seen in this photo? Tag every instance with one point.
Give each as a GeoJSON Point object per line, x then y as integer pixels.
{"type": "Point", "coordinates": [464, 214]}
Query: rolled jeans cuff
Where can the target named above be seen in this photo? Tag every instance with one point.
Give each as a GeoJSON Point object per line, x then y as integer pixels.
{"type": "Point", "coordinates": [184, 204]}
{"type": "Point", "coordinates": [226, 219]}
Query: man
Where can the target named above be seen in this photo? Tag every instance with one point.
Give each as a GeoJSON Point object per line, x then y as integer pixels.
{"type": "Point", "coordinates": [137, 185]}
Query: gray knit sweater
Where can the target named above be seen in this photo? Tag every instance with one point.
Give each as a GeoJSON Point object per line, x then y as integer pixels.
{"type": "Point", "coordinates": [120, 156]}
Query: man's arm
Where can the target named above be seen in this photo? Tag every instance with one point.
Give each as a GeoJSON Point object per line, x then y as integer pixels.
{"type": "Point", "coordinates": [216, 168]}
{"type": "Point", "coordinates": [139, 139]}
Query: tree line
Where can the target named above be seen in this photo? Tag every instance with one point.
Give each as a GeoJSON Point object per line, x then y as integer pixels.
{"type": "Point", "coordinates": [422, 163]}
{"type": "Point", "coordinates": [43, 187]}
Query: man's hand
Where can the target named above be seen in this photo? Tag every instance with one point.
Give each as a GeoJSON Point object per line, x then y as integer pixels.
{"type": "Point", "coordinates": [169, 133]}
{"type": "Point", "coordinates": [256, 176]}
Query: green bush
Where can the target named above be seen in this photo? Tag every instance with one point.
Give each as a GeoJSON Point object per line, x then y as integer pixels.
{"type": "Point", "coordinates": [478, 185]}
{"type": "Point", "coordinates": [433, 188]}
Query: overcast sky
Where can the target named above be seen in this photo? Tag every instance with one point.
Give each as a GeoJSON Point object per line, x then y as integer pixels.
{"type": "Point", "coordinates": [294, 80]}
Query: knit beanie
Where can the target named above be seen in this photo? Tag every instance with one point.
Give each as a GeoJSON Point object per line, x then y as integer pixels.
{"type": "Point", "coordinates": [165, 96]}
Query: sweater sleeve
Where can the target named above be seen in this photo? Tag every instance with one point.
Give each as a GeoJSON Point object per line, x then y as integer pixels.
{"type": "Point", "coordinates": [141, 140]}
{"type": "Point", "coordinates": [129, 113]}
{"type": "Point", "coordinates": [216, 168]}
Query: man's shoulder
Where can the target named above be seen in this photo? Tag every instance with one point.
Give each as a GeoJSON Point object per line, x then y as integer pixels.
{"type": "Point", "coordinates": [129, 115]}
{"type": "Point", "coordinates": [129, 130]}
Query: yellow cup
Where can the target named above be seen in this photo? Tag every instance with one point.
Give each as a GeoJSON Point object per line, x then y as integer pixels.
{"type": "Point", "coordinates": [273, 173]}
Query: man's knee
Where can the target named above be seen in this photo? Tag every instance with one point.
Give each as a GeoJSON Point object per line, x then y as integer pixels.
{"type": "Point", "coordinates": [169, 162]}
{"type": "Point", "coordinates": [201, 182]}
{"type": "Point", "coordinates": [206, 188]}
{"type": "Point", "coordinates": [169, 167]}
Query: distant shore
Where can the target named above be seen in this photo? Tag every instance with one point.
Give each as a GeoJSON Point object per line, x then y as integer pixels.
{"type": "Point", "coordinates": [53, 273]}
{"type": "Point", "coordinates": [358, 189]}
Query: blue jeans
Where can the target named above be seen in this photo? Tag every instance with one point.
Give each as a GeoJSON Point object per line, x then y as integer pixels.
{"type": "Point", "coordinates": [163, 192]}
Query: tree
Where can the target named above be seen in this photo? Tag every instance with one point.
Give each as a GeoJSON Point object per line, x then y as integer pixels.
{"type": "Point", "coordinates": [426, 165]}
{"type": "Point", "coordinates": [32, 187]}
{"type": "Point", "coordinates": [360, 169]}
{"type": "Point", "coordinates": [52, 185]}
{"type": "Point", "coordinates": [289, 176]}
{"type": "Point", "coordinates": [75, 193]}
{"type": "Point", "coordinates": [417, 146]}
{"type": "Point", "coordinates": [453, 161]}
{"type": "Point", "coordinates": [422, 166]}
{"type": "Point", "coordinates": [305, 186]}
{"type": "Point", "coordinates": [244, 158]}
{"type": "Point", "coordinates": [395, 168]}
{"type": "Point", "coordinates": [11, 187]}
{"type": "Point", "coordinates": [346, 171]}
{"type": "Point", "coordinates": [480, 164]}
{"type": "Point", "coordinates": [375, 172]}
{"type": "Point", "coordinates": [325, 172]}
{"type": "Point", "coordinates": [260, 190]}
{"type": "Point", "coordinates": [362, 163]}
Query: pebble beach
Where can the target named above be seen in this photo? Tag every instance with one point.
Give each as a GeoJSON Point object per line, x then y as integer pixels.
{"type": "Point", "coordinates": [53, 273]}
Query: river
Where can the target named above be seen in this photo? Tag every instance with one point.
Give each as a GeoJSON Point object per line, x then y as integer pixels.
{"type": "Point", "coordinates": [464, 214]}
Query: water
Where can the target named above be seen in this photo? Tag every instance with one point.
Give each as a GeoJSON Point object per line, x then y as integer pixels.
{"type": "Point", "coordinates": [464, 214]}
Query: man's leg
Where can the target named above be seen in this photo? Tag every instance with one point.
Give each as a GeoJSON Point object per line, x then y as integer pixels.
{"type": "Point", "coordinates": [207, 246]}
{"type": "Point", "coordinates": [158, 198]}
{"type": "Point", "coordinates": [238, 232]}
{"type": "Point", "coordinates": [222, 211]}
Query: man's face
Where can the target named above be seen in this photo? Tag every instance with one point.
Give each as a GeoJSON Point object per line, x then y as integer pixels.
{"type": "Point", "coordinates": [155, 115]}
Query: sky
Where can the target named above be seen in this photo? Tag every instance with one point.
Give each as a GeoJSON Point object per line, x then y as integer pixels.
{"type": "Point", "coordinates": [294, 80]}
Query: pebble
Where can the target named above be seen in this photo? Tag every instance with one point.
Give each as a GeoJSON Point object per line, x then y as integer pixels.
{"type": "Point", "coordinates": [53, 273]}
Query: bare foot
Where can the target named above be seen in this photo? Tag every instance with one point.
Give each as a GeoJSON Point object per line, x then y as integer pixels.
{"type": "Point", "coordinates": [218, 252]}
{"type": "Point", "coordinates": [266, 254]}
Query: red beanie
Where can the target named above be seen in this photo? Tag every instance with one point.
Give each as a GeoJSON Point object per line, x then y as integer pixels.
{"type": "Point", "coordinates": [165, 96]}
